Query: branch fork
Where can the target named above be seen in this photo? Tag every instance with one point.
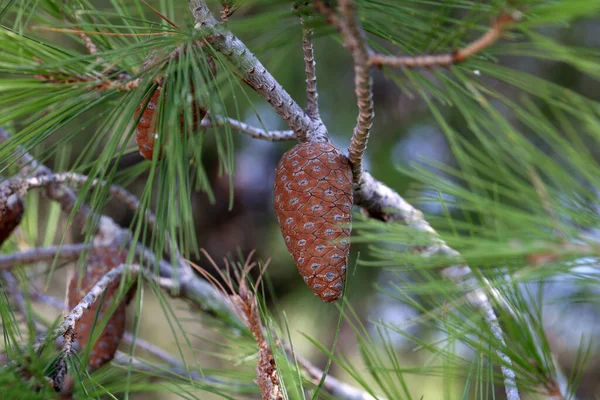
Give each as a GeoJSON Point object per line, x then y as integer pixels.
{"type": "Point", "coordinates": [379, 200]}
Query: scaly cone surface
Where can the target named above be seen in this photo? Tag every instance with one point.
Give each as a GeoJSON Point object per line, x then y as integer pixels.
{"type": "Point", "coordinates": [313, 200]}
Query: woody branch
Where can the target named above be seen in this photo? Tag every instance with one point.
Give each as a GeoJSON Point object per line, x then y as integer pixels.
{"type": "Point", "coordinates": [255, 75]}
{"type": "Point", "coordinates": [487, 39]}
{"type": "Point", "coordinates": [192, 288]}
{"type": "Point", "coordinates": [85, 304]}
{"type": "Point", "coordinates": [335, 387]}
{"type": "Point", "coordinates": [379, 200]}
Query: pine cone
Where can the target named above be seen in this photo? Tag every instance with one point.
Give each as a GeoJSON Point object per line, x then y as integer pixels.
{"type": "Point", "coordinates": [11, 212]}
{"type": "Point", "coordinates": [146, 133]}
{"type": "Point", "coordinates": [100, 262]}
{"type": "Point", "coordinates": [313, 197]}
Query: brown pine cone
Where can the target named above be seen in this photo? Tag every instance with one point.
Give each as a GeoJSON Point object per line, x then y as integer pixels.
{"type": "Point", "coordinates": [11, 212]}
{"type": "Point", "coordinates": [313, 197]}
{"type": "Point", "coordinates": [100, 262]}
{"type": "Point", "coordinates": [146, 133]}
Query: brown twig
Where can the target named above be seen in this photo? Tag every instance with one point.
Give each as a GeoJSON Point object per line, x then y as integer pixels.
{"type": "Point", "coordinates": [227, 9]}
{"type": "Point", "coordinates": [487, 39]}
{"type": "Point", "coordinates": [356, 42]}
{"type": "Point", "coordinates": [245, 301]}
{"type": "Point", "coordinates": [312, 96]}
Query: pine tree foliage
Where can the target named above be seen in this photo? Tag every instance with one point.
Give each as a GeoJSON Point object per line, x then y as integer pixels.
{"type": "Point", "coordinates": [519, 200]}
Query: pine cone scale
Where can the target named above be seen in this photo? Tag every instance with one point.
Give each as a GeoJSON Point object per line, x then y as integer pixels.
{"type": "Point", "coordinates": [313, 198]}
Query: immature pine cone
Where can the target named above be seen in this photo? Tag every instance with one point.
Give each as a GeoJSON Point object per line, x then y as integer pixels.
{"type": "Point", "coordinates": [100, 262]}
{"type": "Point", "coordinates": [146, 133]}
{"type": "Point", "coordinates": [11, 212]}
{"type": "Point", "coordinates": [313, 197]}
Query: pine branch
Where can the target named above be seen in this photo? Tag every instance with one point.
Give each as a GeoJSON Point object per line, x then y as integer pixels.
{"type": "Point", "coordinates": [22, 185]}
{"type": "Point", "coordinates": [312, 96]}
{"type": "Point", "coordinates": [172, 365]}
{"type": "Point", "coordinates": [67, 252]}
{"type": "Point", "coordinates": [64, 196]}
{"type": "Point", "coordinates": [253, 73]}
{"type": "Point", "coordinates": [458, 56]}
{"type": "Point", "coordinates": [356, 41]}
{"type": "Point", "coordinates": [191, 286]}
{"type": "Point", "coordinates": [257, 133]}
{"type": "Point", "coordinates": [378, 199]}
{"type": "Point", "coordinates": [85, 304]}
{"type": "Point", "coordinates": [331, 384]}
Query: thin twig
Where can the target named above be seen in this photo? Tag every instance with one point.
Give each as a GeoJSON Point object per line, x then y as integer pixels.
{"type": "Point", "coordinates": [67, 252]}
{"type": "Point", "coordinates": [312, 96]}
{"type": "Point", "coordinates": [170, 371]}
{"type": "Point", "coordinates": [356, 41]}
{"type": "Point", "coordinates": [257, 133]}
{"type": "Point", "coordinates": [331, 385]}
{"type": "Point", "coordinates": [119, 193]}
{"type": "Point", "coordinates": [85, 304]}
{"type": "Point", "coordinates": [458, 56]}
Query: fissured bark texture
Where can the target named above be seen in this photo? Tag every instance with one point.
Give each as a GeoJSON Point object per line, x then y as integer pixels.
{"type": "Point", "coordinates": [313, 202]}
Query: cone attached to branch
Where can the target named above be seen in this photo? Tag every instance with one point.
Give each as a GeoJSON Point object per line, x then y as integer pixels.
{"type": "Point", "coordinates": [100, 262]}
{"type": "Point", "coordinates": [313, 202]}
{"type": "Point", "coordinates": [146, 132]}
{"type": "Point", "coordinates": [12, 209]}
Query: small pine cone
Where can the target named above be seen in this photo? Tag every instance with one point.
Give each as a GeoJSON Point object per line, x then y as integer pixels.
{"type": "Point", "coordinates": [146, 133]}
{"type": "Point", "coordinates": [11, 212]}
{"type": "Point", "coordinates": [100, 262]}
{"type": "Point", "coordinates": [313, 197]}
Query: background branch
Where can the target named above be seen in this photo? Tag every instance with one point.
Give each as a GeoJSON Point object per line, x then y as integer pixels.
{"type": "Point", "coordinates": [460, 55]}
{"type": "Point", "coordinates": [85, 304]}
